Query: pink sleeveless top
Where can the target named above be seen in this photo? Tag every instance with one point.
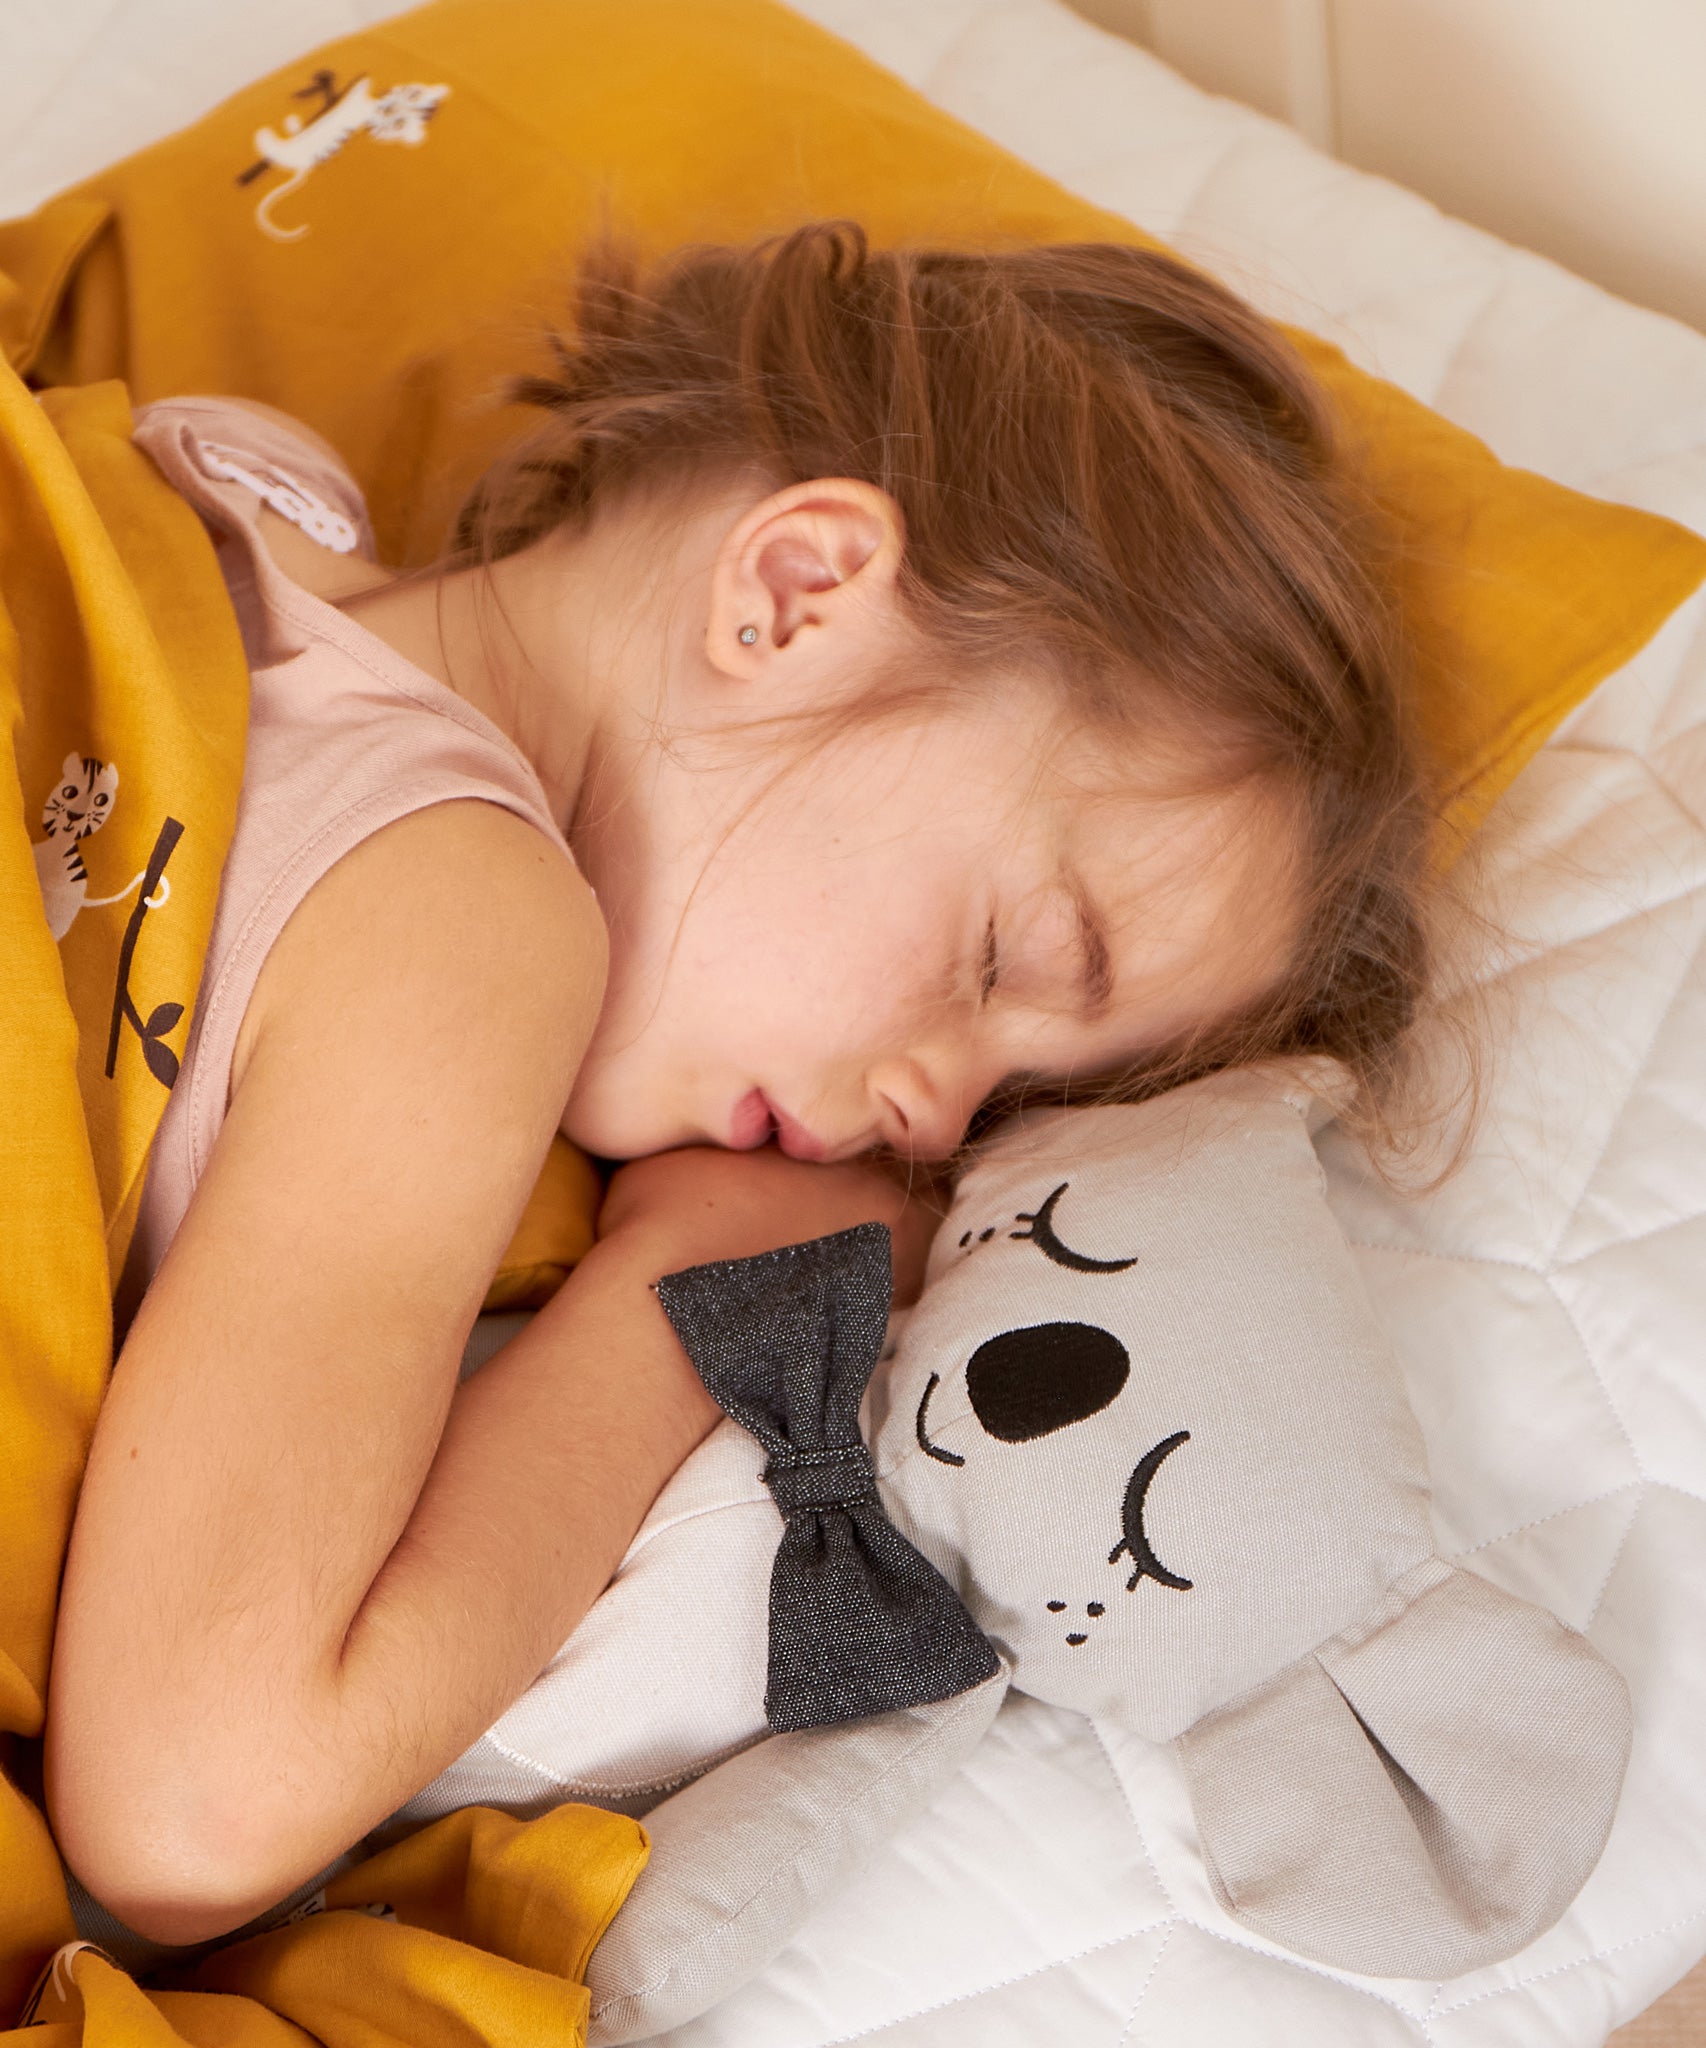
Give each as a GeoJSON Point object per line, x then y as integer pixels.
{"type": "Point", "coordinates": [345, 736]}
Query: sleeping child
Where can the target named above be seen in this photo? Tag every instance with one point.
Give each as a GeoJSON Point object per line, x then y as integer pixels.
{"type": "Point", "coordinates": [886, 685]}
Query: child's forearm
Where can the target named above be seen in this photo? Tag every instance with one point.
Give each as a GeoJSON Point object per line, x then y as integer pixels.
{"type": "Point", "coordinates": [551, 1457]}
{"type": "Point", "coordinates": [289, 1704]}
{"type": "Point", "coordinates": [548, 1462]}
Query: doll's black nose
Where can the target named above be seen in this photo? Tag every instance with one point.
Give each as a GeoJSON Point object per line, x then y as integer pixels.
{"type": "Point", "coordinates": [1029, 1383]}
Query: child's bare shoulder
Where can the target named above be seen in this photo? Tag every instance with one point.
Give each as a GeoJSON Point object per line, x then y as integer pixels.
{"type": "Point", "coordinates": [463, 908]}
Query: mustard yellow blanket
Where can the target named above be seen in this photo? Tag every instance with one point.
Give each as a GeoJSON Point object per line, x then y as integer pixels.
{"type": "Point", "coordinates": [124, 702]}
{"type": "Point", "coordinates": [374, 239]}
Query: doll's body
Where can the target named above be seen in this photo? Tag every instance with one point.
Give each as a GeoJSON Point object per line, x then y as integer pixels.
{"type": "Point", "coordinates": [1142, 1451]}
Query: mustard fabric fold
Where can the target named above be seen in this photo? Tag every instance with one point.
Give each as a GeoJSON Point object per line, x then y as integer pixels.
{"type": "Point", "coordinates": [381, 268]}
{"type": "Point", "coordinates": [374, 239]}
{"type": "Point", "coordinates": [477, 1929]}
{"type": "Point", "coordinates": [118, 649]}
{"type": "Point", "coordinates": [123, 684]}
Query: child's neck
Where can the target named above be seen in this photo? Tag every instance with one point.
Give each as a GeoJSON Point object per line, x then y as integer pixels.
{"type": "Point", "coordinates": [517, 641]}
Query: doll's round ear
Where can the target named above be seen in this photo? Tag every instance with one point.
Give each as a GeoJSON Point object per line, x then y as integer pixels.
{"type": "Point", "coordinates": [1420, 1796]}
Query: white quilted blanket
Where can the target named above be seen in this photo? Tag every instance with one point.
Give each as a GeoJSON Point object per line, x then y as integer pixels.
{"type": "Point", "coordinates": [1550, 1300]}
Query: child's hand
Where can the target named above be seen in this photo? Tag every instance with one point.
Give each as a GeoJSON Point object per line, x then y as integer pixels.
{"type": "Point", "coordinates": [701, 1202]}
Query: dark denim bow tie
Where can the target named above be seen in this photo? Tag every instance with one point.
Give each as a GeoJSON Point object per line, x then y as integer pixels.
{"type": "Point", "coordinates": [860, 1622]}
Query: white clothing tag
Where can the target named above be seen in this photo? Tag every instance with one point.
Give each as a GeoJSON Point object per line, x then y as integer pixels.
{"type": "Point", "coordinates": [289, 499]}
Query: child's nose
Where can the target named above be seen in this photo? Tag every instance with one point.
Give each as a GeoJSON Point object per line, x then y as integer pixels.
{"type": "Point", "coordinates": [921, 1115]}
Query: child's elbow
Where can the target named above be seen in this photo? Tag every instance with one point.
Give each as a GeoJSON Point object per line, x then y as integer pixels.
{"type": "Point", "coordinates": [172, 1862]}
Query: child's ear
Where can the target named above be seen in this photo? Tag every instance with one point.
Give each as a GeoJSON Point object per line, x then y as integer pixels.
{"type": "Point", "coordinates": [808, 571]}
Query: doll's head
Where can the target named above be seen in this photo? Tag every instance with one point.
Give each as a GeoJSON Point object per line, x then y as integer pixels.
{"type": "Point", "coordinates": [1145, 1446]}
{"type": "Point", "coordinates": [1144, 1414]}
{"type": "Point", "coordinates": [1010, 693]}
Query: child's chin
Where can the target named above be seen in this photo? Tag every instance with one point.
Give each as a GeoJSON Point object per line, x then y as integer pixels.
{"type": "Point", "coordinates": [608, 1134]}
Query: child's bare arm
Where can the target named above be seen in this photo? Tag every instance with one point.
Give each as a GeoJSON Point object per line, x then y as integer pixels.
{"type": "Point", "coordinates": [704, 1203]}
{"type": "Point", "coordinates": [307, 1570]}
{"type": "Point", "coordinates": [221, 1719]}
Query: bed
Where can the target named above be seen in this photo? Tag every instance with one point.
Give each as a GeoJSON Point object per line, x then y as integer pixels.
{"type": "Point", "coordinates": [1549, 1300]}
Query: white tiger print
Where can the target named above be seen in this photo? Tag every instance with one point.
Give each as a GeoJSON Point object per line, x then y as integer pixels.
{"type": "Point", "coordinates": [80, 804]}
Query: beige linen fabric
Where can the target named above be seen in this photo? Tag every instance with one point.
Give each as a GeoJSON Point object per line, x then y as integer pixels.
{"type": "Point", "coordinates": [1145, 1421]}
{"type": "Point", "coordinates": [1394, 1766]}
{"type": "Point", "coordinates": [1421, 1794]}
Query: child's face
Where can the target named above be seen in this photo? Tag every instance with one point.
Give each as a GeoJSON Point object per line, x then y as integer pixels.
{"type": "Point", "coordinates": [857, 953]}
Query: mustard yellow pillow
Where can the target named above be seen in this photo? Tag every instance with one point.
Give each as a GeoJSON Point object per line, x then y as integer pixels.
{"type": "Point", "coordinates": [374, 238]}
{"type": "Point", "coordinates": [378, 271]}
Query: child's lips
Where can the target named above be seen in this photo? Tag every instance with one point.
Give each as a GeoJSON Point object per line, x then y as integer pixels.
{"type": "Point", "coordinates": [794, 1138]}
{"type": "Point", "coordinates": [752, 1123]}
{"type": "Point", "coordinates": [756, 1118]}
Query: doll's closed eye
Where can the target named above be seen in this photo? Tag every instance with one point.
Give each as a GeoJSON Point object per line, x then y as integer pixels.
{"type": "Point", "coordinates": [1028, 1383]}
{"type": "Point", "coordinates": [1041, 1232]}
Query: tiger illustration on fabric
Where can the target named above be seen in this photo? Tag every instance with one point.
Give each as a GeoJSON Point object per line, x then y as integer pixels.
{"type": "Point", "coordinates": [80, 804]}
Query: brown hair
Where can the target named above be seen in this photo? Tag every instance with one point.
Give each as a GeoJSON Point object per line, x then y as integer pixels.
{"type": "Point", "coordinates": [1101, 458]}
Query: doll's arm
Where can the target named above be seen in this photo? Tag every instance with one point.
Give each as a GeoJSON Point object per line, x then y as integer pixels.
{"type": "Point", "coordinates": [741, 1857]}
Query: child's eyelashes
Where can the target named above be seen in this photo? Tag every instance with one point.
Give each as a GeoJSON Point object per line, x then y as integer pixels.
{"type": "Point", "coordinates": [989, 966]}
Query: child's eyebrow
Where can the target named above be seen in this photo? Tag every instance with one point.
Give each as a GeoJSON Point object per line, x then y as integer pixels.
{"type": "Point", "coordinates": [1096, 972]}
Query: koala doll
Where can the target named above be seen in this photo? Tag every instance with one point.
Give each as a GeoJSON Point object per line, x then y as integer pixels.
{"type": "Point", "coordinates": [1142, 1451]}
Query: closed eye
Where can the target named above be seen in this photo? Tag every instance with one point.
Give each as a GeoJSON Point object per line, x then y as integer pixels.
{"type": "Point", "coordinates": [989, 966]}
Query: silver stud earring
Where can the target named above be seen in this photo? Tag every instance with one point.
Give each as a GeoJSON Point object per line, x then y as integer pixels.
{"type": "Point", "coordinates": [748, 634]}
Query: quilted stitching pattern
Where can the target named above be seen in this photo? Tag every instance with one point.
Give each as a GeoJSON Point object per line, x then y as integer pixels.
{"type": "Point", "coordinates": [84, 82]}
{"type": "Point", "coordinates": [1549, 1300]}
